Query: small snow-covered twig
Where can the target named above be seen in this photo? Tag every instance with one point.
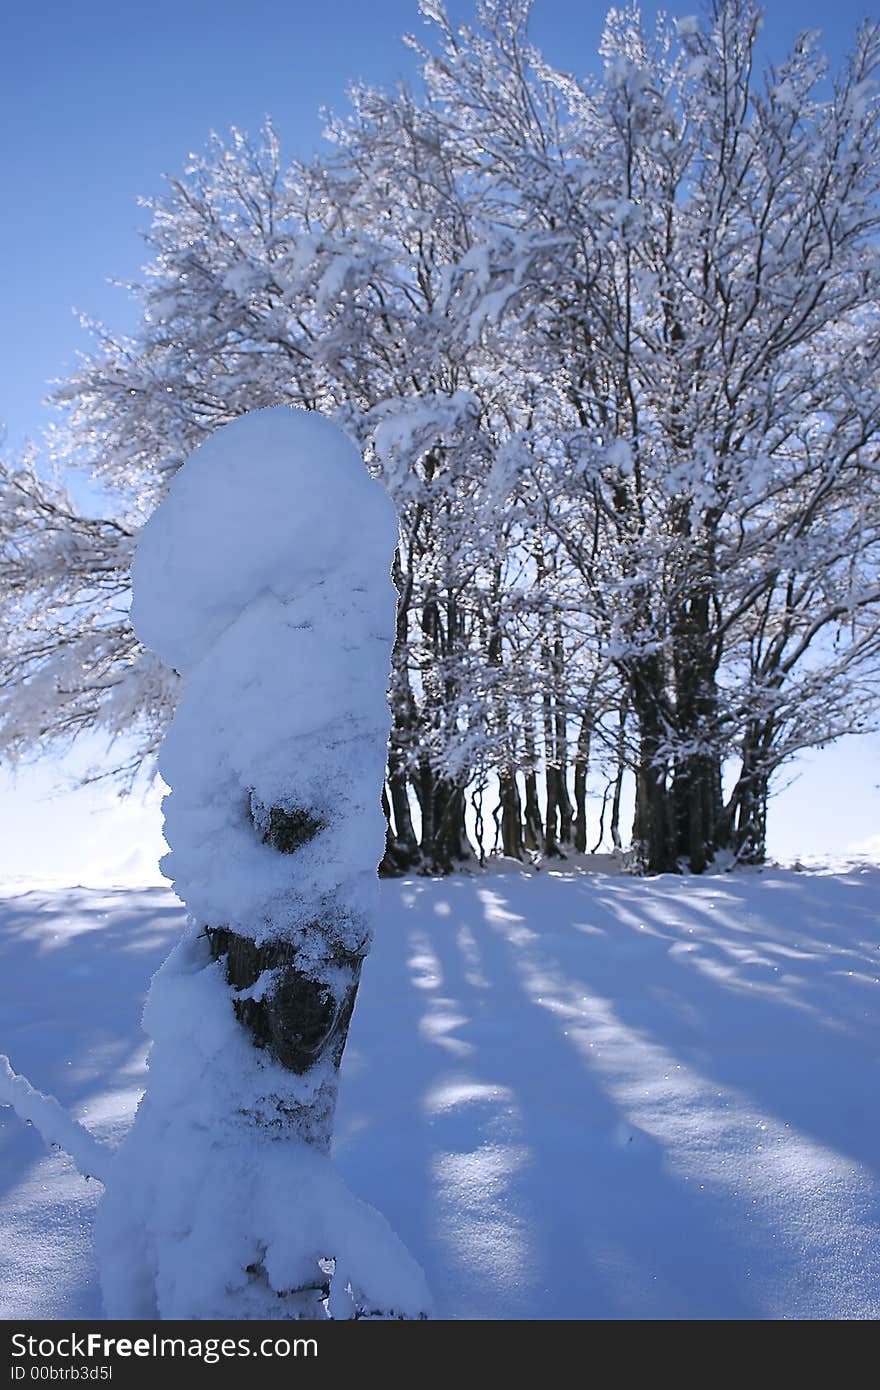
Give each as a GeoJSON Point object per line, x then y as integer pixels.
{"type": "Point", "coordinates": [260, 988]}
{"type": "Point", "coordinates": [58, 1129]}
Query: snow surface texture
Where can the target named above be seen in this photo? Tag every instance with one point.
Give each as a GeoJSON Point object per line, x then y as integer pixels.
{"type": "Point", "coordinates": [595, 1097]}
{"type": "Point", "coordinates": [264, 579]}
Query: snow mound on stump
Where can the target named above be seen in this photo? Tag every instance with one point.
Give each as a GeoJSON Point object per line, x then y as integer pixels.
{"type": "Point", "coordinates": [263, 559]}
{"type": "Point", "coordinates": [272, 503]}
{"type": "Point", "coordinates": [264, 578]}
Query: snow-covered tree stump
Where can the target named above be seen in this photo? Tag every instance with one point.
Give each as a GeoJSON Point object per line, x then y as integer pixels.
{"type": "Point", "coordinates": [264, 579]}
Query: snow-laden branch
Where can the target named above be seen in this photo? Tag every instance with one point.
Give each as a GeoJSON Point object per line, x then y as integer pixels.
{"type": "Point", "coordinates": [56, 1128]}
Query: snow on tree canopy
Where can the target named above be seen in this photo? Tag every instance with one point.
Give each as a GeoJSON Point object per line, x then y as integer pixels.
{"type": "Point", "coordinates": [264, 577]}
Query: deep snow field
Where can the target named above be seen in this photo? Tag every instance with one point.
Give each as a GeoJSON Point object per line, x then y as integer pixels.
{"type": "Point", "coordinates": [573, 1095]}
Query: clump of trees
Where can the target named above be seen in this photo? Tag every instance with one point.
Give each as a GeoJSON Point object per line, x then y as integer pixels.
{"type": "Point", "coordinates": [612, 345]}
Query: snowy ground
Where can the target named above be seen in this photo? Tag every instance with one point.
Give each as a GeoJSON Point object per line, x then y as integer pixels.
{"type": "Point", "coordinates": [573, 1096]}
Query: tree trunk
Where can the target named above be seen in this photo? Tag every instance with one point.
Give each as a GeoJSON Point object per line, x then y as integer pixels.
{"type": "Point", "coordinates": [652, 826]}
{"type": "Point", "coordinates": [750, 834]}
{"type": "Point", "coordinates": [511, 814]}
{"type": "Point", "coordinates": [697, 809]}
{"type": "Point", "coordinates": [696, 786]}
{"type": "Point", "coordinates": [745, 816]}
{"type": "Point", "coordinates": [552, 781]}
{"type": "Point", "coordinates": [302, 1015]}
{"type": "Point", "coordinates": [621, 769]}
{"type": "Point", "coordinates": [402, 845]}
{"type": "Point", "coordinates": [581, 768]}
{"type": "Point", "coordinates": [508, 792]}
{"type": "Point", "coordinates": [533, 833]}
{"type": "Point", "coordinates": [560, 732]}
{"type": "Point", "coordinates": [444, 845]}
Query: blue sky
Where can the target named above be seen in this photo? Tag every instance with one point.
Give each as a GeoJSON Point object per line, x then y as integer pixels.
{"type": "Point", "coordinates": [103, 98]}
{"type": "Point", "coordinates": [98, 100]}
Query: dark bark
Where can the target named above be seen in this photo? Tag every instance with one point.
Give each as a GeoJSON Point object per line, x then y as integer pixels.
{"type": "Point", "coordinates": [581, 769]}
{"type": "Point", "coordinates": [750, 831]}
{"type": "Point", "coordinates": [696, 787]}
{"type": "Point", "coordinates": [745, 816]}
{"type": "Point", "coordinates": [404, 831]}
{"type": "Point", "coordinates": [619, 775]}
{"type": "Point", "coordinates": [697, 809]}
{"type": "Point", "coordinates": [652, 827]}
{"type": "Point", "coordinates": [444, 845]}
{"type": "Point", "coordinates": [552, 780]}
{"type": "Point", "coordinates": [402, 852]}
{"type": "Point", "coordinates": [297, 1020]}
{"type": "Point", "coordinates": [533, 829]}
{"type": "Point", "coordinates": [510, 806]}
{"type": "Point", "coordinates": [551, 831]}
{"type": "Point", "coordinates": [303, 1014]}
{"type": "Point", "coordinates": [560, 735]}
{"type": "Point", "coordinates": [511, 815]}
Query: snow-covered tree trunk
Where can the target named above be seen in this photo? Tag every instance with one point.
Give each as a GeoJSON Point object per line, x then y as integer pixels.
{"type": "Point", "coordinates": [264, 579]}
